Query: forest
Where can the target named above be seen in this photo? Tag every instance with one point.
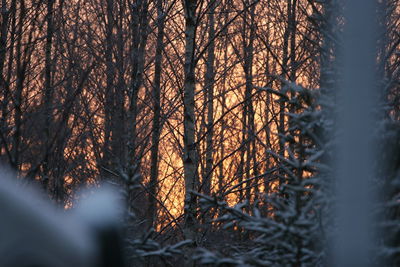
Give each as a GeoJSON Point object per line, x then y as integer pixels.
{"type": "Point", "coordinates": [219, 121]}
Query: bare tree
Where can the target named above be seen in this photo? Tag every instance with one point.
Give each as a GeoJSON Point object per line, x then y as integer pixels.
{"type": "Point", "coordinates": [190, 154]}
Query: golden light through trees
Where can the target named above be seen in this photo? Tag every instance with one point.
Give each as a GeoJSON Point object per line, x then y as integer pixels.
{"type": "Point", "coordinates": [245, 119]}
{"type": "Point", "coordinates": [216, 119]}
{"type": "Point", "coordinates": [78, 102]}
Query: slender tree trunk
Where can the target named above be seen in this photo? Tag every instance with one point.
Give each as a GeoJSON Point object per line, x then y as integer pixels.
{"type": "Point", "coordinates": [250, 127]}
{"type": "Point", "coordinates": [109, 96]}
{"type": "Point", "coordinates": [118, 120]}
{"type": "Point", "coordinates": [4, 89]}
{"type": "Point", "coordinates": [189, 122]}
{"type": "Point", "coordinates": [209, 83]}
{"type": "Point", "coordinates": [282, 106]}
{"type": "Point", "coordinates": [153, 185]}
{"type": "Point", "coordinates": [292, 24]}
{"type": "Point", "coordinates": [48, 94]}
{"type": "Point", "coordinates": [20, 69]}
{"type": "Point", "coordinates": [221, 175]}
{"type": "Point", "coordinates": [5, 16]}
{"type": "Point", "coordinates": [139, 26]}
{"type": "Point", "coordinates": [6, 83]}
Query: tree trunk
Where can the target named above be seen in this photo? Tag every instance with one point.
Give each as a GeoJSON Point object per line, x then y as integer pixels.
{"type": "Point", "coordinates": [109, 96]}
{"type": "Point", "coordinates": [21, 75]}
{"type": "Point", "coordinates": [209, 84]}
{"type": "Point", "coordinates": [249, 109]}
{"type": "Point", "coordinates": [189, 122]}
{"type": "Point", "coordinates": [153, 185]}
{"type": "Point", "coordinates": [282, 106]}
{"type": "Point", "coordinates": [48, 96]}
{"type": "Point", "coordinates": [139, 34]}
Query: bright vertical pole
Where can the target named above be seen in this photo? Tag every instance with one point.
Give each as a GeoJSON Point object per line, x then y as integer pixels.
{"type": "Point", "coordinates": [356, 101]}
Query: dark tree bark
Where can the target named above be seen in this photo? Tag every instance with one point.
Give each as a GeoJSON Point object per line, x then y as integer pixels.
{"type": "Point", "coordinates": [209, 84]}
{"type": "Point", "coordinates": [153, 184]}
{"type": "Point", "coordinates": [189, 122]}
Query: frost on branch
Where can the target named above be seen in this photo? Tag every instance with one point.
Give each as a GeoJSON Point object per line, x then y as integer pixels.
{"type": "Point", "coordinates": [288, 227]}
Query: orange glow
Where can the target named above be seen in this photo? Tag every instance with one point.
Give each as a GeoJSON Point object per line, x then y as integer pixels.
{"type": "Point", "coordinates": [234, 163]}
